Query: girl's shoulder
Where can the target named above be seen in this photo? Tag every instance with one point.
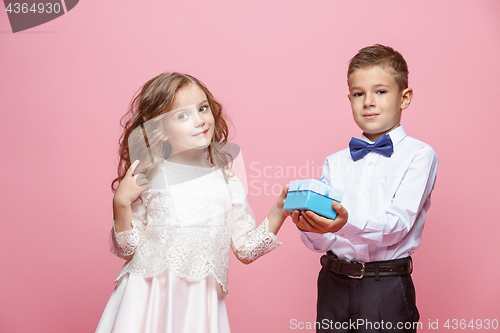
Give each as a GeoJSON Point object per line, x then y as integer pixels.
{"type": "Point", "coordinates": [237, 184]}
{"type": "Point", "coordinates": [166, 165]}
{"type": "Point", "coordinates": [168, 174]}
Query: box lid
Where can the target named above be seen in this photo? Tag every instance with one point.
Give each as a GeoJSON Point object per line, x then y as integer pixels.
{"type": "Point", "coordinates": [317, 186]}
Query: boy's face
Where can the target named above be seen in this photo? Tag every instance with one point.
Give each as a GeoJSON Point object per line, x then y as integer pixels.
{"type": "Point", "coordinates": [376, 101]}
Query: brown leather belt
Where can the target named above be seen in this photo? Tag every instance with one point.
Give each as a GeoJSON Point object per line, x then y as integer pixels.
{"type": "Point", "coordinates": [357, 269]}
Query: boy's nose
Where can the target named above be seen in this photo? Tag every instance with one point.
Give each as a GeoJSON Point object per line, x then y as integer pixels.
{"type": "Point", "coordinates": [369, 101]}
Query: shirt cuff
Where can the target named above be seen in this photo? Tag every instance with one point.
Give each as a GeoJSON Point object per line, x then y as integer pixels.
{"type": "Point", "coordinates": [349, 230]}
{"type": "Point", "coordinates": [317, 242]}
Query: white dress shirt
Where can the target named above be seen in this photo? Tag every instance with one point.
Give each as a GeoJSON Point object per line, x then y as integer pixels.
{"type": "Point", "coordinates": [386, 199]}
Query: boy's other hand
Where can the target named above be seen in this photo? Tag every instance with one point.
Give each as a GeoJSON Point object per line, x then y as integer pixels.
{"type": "Point", "coordinates": [312, 222]}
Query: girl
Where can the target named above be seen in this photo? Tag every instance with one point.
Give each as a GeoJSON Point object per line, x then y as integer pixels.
{"type": "Point", "coordinates": [178, 209]}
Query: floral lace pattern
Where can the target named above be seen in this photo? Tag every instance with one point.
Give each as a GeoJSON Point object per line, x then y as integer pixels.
{"type": "Point", "coordinates": [261, 242]}
{"type": "Point", "coordinates": [124, 243]}
{"type": "Point", "coordinates": [190, 227]}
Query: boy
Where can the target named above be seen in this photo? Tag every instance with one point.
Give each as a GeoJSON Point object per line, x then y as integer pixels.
{"type": "Point", "coordinates": [365, 284]}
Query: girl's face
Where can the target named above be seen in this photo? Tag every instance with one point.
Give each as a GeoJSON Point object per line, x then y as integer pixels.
{"type": "Point", "coordinates": [190, 124]}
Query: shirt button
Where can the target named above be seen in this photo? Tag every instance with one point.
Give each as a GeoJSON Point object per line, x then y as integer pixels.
{"type": "Point", "coordinates": [370, 164]}
{"type": "Point", "coordinates": [362, 252]}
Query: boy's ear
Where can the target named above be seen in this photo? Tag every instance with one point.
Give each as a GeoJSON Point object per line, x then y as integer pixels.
{"type": "Point", "coordinates": [349, 96]}
{"type": "Point", "coordinates": [406, 96]}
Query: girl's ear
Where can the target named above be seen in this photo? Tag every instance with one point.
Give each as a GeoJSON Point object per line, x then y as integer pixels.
{"type": "Point", "coordinates": [165, 138]}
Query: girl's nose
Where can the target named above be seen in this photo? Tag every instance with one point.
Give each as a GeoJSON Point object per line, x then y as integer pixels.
{"type": "Point", "coordinates": [198, 120]}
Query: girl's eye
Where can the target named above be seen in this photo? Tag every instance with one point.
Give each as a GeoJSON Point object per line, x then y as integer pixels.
{"type": "Point", "coordinates": [183, 116]}
{"type": "Point", "coordinates": [204, 108]}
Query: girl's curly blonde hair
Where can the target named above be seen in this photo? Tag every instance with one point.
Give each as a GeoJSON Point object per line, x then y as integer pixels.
{"type": "Point", "coordinates": [153, 100]}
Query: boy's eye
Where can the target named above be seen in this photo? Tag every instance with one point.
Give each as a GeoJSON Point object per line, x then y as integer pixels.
{"type": "Point", "coordinates": [358, 94]}
{"type": "Point", "coordinates": [380, 92]}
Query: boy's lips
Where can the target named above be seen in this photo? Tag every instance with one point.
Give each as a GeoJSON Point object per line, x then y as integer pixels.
{"type": "Point", "coordinates": [370, 115]}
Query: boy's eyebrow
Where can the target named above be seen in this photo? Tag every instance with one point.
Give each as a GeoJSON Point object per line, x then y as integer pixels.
{"type": "Point", "coordinates": [374, 86]}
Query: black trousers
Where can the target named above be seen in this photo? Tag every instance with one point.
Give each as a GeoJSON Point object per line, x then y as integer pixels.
{"type": "Point", "coordinates": [366, 305]}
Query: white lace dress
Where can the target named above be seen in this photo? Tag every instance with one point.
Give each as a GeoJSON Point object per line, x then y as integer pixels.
{"type": "Point", "coordinates": [181, 238]}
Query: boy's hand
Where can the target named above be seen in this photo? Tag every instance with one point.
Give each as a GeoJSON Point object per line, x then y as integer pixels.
{"type": "Point", "coordinates": [309, 221]}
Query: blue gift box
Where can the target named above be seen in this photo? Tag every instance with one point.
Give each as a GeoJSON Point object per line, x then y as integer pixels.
{"type": "Point", "coordinates": [314, 195]}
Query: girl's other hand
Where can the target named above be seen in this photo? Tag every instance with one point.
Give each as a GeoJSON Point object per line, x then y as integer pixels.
{"type": "Point", "coordinates": [131, 186]}
{"type": "Point", "coordinates": [281, 200]}
{"type": "Point", "coordinates": [277, 208]}
{"type": "Point", "coordinates": [277, 215]}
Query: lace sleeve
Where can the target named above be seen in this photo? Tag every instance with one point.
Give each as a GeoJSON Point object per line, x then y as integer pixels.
{"type": "Point", "coordinates": [124, 243]}
{"type": "Point", "coordinates": [260, 242]}
{"type": "Point", "coordinates": [248, 242]}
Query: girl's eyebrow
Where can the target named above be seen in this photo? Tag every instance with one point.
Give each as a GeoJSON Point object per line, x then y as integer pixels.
{"type": "Point", "coordinates": [183, 109]}
{"type": "Point", "coordinates": [203, 102]}
{"type": "Point", "coordinates": [176, 112]}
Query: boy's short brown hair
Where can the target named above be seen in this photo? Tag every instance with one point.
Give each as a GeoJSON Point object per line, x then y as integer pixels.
{"type": "Point", "coordinates": [385, 57]}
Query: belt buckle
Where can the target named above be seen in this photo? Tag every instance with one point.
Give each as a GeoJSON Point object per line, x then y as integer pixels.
{"type": "Point", "coordinates": [362, 269]}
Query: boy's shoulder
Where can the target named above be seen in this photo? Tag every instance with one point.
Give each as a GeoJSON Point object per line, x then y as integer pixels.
{"type": "Point", "coordinates": [412, 145]}
{"type": "Point", "coordinates": [341, 155]}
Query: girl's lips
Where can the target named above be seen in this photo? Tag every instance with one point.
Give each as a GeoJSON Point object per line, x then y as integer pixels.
{"type": "Point", "coordinates": [201, 133]}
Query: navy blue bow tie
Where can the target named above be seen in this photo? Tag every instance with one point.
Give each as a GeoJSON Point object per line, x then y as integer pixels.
{"type": "Point", "coordinates": [360, 148]}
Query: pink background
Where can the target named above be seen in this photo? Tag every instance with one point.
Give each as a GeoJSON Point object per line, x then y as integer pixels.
{"type": "Point", "coordinates": [279, 69]}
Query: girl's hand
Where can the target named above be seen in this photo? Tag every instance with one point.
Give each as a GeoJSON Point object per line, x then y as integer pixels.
{"type": "Point", "coordinates": [281, 201]}
{"type": "Point", "coordinates": [277, 210]}
{"type": "Point", "coordinates": [131, 186]}
{"type": "Point", "coordinates": [277, 215]}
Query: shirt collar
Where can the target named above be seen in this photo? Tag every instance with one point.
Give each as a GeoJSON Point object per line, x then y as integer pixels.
{"type": "Point", "coordinates": [396, 135]}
